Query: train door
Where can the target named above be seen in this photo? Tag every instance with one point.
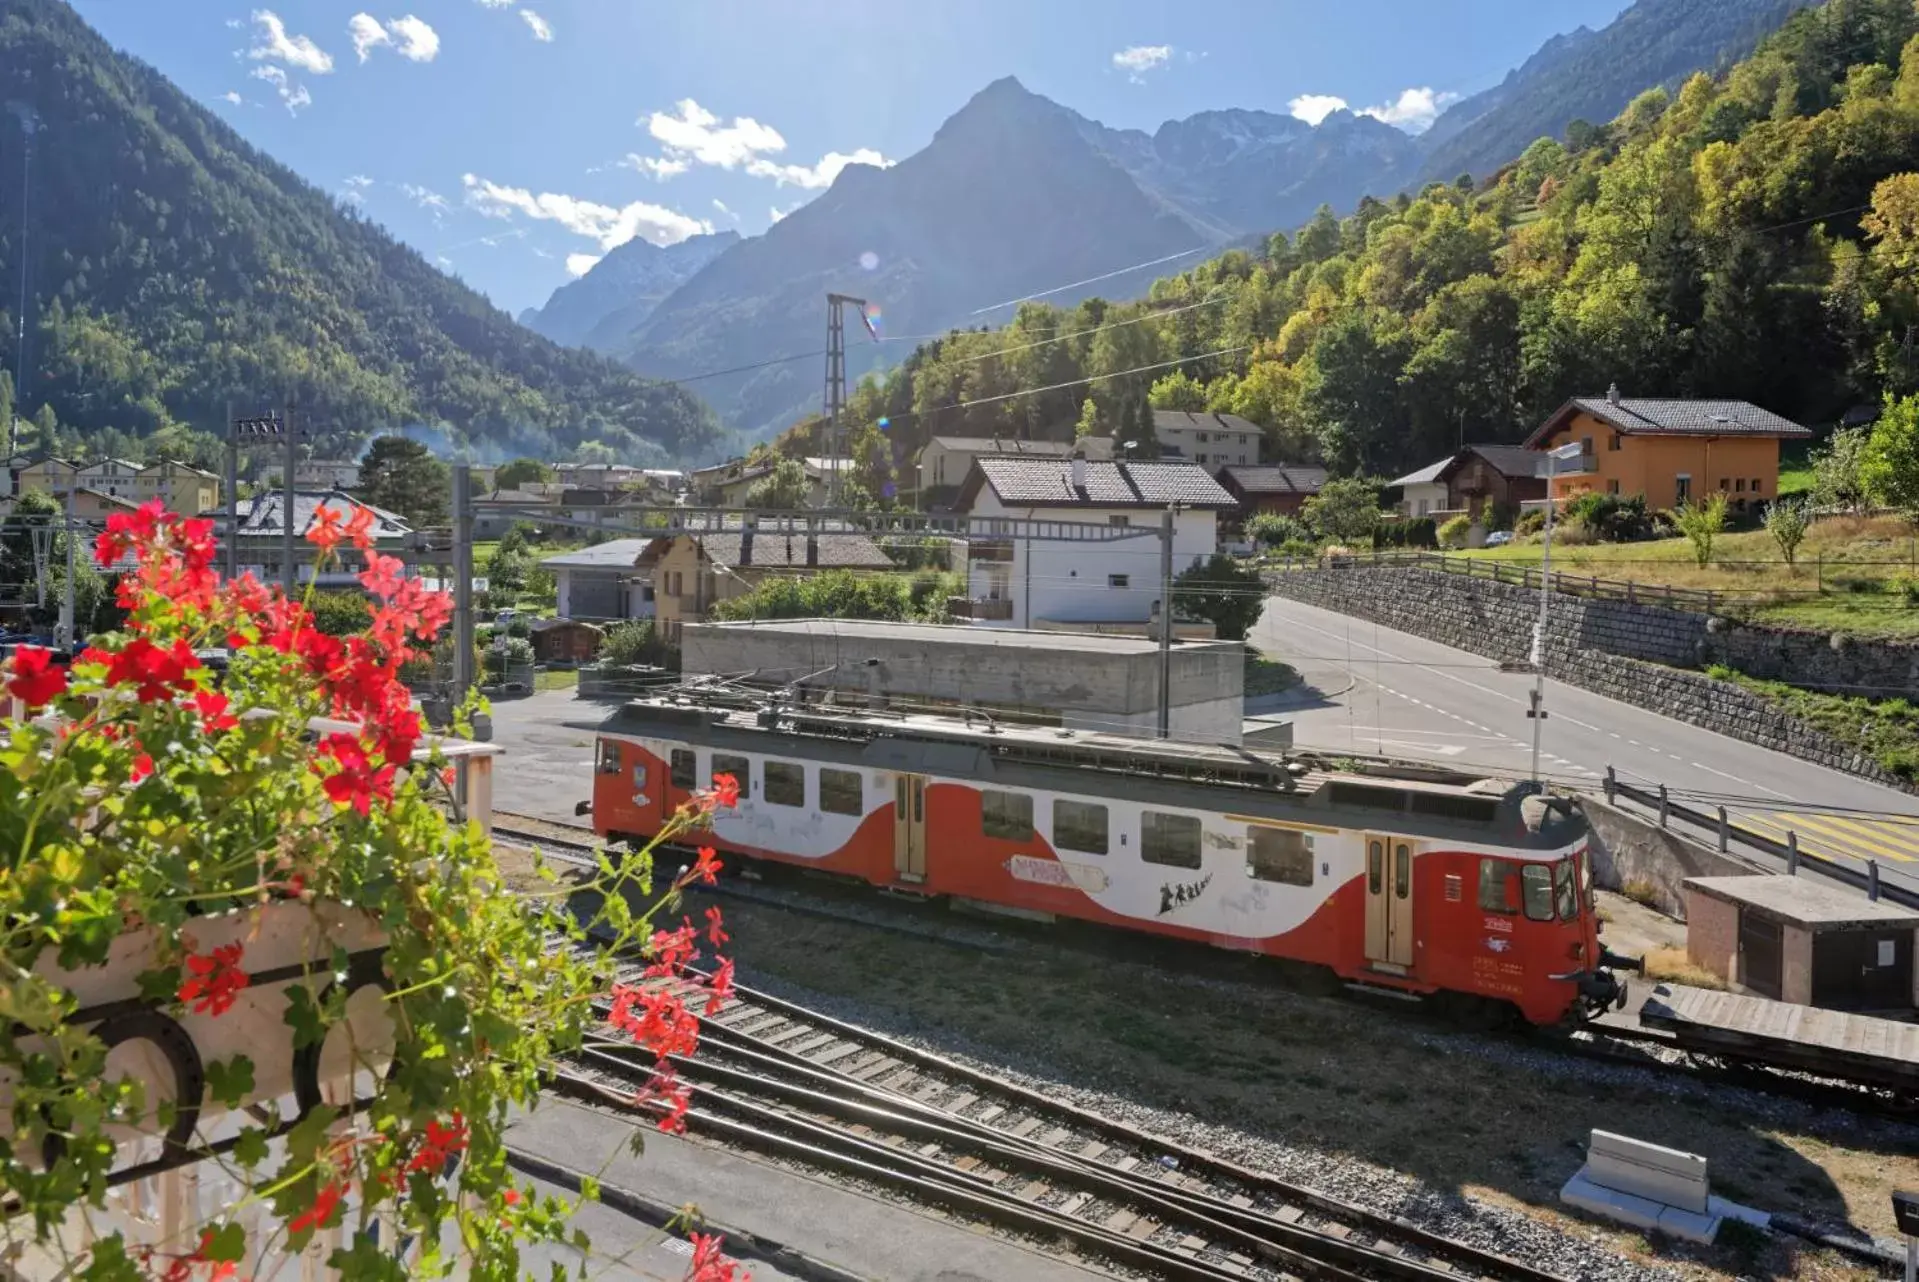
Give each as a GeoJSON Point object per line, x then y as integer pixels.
{"type": "Point", "coordinates": [1389, 901]}
{"type": "Point", "coordinates": [909, 827]}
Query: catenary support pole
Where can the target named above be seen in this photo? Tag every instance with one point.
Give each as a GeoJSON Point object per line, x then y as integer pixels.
{"type": "Point", "coordinates": [231, 534]}
{"type": "Point", "coordinates": [288, 579]}
{"type": "Point", "coordinates": [67, 621]}
{"type": "Point", "coordinates": [1538, 710]}
{"type": "Point", "coordinates": [462, 581]}
{"type": "Point", "coordinates": [1166, 624]}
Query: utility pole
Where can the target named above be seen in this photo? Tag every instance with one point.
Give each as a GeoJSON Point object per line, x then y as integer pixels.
{"type": "Point", "coordinates": [63, 637]}
{"type": "Point", "coordinates": [29, 126]}
{"type": "Point", "coordinates": [261, 427]}
{"type": "Point", "coordinates": [462, 581]}
{"type": "Point", "coordinates": [288, 579]}
{"type": "Point", "coordinates": [231, 535]}
{"type": "Point", "coordinates": [1538, 709]}
{"type": "Point", "coordinates": [1166, 623]}
{"type": "Point", "coordinates": [834, 402]}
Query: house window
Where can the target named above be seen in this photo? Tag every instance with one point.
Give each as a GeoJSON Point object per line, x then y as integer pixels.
{"type": "Point", "coordinates": [1755, 485]}
{"type": "Point", "coordinates": [1425, 506]}
{"type": "Point", "coordinates": [1119, 520]}
{"type": "Point", "coordinates": [1725, 486]}
{"type": "Point", "coordinates": [1586, 445]}
{"type": "Point", "coordinates": [1681, 488]}
{"type": "Point", "coordinates": [1200, 437]}
{"type": "Point", "coordinates": [1612, 487]}
{"type": "Point", "coordinates": [1199, 458]}
{"type": "Point", "coordinates": [1612, 442]}
{"type": "Point", "coordinates": [1119, 580]}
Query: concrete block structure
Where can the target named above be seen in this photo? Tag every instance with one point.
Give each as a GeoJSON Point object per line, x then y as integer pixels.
{"type": "Point", "coordinates": [1078, 681]}
{"type": "Point", "coordinates": [1803, 941]}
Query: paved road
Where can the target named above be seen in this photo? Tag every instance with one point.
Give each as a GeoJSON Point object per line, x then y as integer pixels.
{"type": "Point", "coordinates": [1394, 693]}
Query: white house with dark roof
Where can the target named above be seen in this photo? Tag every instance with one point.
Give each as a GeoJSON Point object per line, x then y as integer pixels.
{"type": "Point", "coordinates": [1213, 441]}
{"type": "Point", "coordinates": [945, 460]}
{"type": "Point", "coordinates": [602, 582]}
{"type": "Point", "coordinates": [1020, 582]}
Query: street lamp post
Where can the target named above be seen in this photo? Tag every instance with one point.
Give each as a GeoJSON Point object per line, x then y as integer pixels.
{"type": "Point", "coordinates": [1538, 709]}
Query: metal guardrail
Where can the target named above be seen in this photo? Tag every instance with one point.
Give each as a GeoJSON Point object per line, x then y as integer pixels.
{"type": "Point", "coordinates": [1727, 832]}
{"type": "Point", "coordinates": [1630, 591]}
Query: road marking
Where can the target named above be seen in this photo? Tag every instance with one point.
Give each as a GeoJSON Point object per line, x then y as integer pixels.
{"type": "Point", "coordinates": [1746, 782]}
{"type": "Point", "coordinates": [1881, 840]}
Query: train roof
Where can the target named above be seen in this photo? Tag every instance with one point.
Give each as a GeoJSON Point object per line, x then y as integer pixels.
{"type": "Point", "coordinates": [1272, 785]}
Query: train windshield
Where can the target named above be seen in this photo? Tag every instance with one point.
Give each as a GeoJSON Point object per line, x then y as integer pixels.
{"type": "Point", "coordinates": [1565, 892]}
{"type": "Point", "coordinates": [1536, 887]}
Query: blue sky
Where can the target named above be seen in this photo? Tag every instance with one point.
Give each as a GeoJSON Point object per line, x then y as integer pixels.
{"type": "Point", "coordinates": [516, 140]}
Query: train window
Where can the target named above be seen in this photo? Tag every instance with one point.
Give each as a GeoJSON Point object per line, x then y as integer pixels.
{"type": "Point", "coordinates": [686, 769]}
{"type": "Point", "coordinates": [1493, 876]}
{"type": "Point", "coordinates": [1402, 870]}
{"type": "Point", "coordinates": [1366, 796]}
{"type": "Point", "coordinates": [739, 767]}
{"type": "Point", "coordinates": [1447, 805]}
{"type": "Point", "coordinates": [609, 763]}
{"type": "Point", "coordinates": [1079, 825]}
{"type": "Point", "coordinates": [1006, 815]}
{"type": "Point", "coordinates": [1280, 854]}
{"type": "Point", "coordinates": [1375, 866]}
{"type": "Point", "coordinates": [1565, 897]}
{"type": "Point", "coordinates": [840, 792]}
{"type": "Point", "coordinates": [785, 783]}
{"type": "Point", "coordinates": [1172, 840]}
{"type": "Point", "coordinates": [1537, 882]}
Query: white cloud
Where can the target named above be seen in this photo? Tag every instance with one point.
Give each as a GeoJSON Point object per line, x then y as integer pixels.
{"type": "Point", "coordinates": [696, 134]}
{"type": "Point", "coordinates": [659, 167]}
{"type": "Point", "coordinates": [271, 43]}
{"type": "Point", "coordinates": [425, 197]}
{"type": "Point", "coordinates": [690, 135]}
{"type": "Point", "coordinates": [294, 95]}
{"type": "Point", "coordinates": [1140, 59]}
{"type": "Point", "coordinates": [1315, 107]}
{"type": "Point", "coordinates": [231, 96]}
{"type": "Point", "coordinates": [495, 4]}
{"type": "Point", "coordinates": [412, 38]}
{"type": "Point", "coordinates": [541, 29]}
{"type": "Point", "coordinates": [358, 181]}
{"type": "Point", "coordinates": [367, 34]}
{"type": "Point", "coordinates": [609, 226]}
{"type": "Point", "coordinates": [720, 206]}
{"type": "Point", "coordinates": [1414, 110]}
{"type": "Point", "coordinates": [776, 213]}
{"type": "Point", "coordinates": [820, 175]}
{"type": "Point", "coordinates": [581, 264]}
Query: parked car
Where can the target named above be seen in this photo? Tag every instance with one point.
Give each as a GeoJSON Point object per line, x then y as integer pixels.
{"type": "Point", "coordinates": [1499, 538]}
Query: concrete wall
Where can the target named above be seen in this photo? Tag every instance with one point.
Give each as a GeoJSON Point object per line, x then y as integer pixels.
{"type": "Point", "coordinates": [1628, 849]}
{"type": "Point", "coordinates": [1621, 650]}
{"type": "Point", "coordinates": [1712, 935]}
{"type": "Point", "coordinates": [1100, 685]}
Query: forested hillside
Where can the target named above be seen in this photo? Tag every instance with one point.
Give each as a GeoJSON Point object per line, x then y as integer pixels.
{"type": "Point", "coordinates": [1753, 236]}
{"type": "Point", "coordinates": [173, 267]}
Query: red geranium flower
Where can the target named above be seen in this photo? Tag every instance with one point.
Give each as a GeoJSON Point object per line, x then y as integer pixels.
{"type": "Point", "coordinates": [213, 711]}
{"type": "Point", "coordinates": [156, 672]}
{"type": "Point", "coordinates": [721, 986]}
{"type": "Point", "coordinates": [708, 1264]}
{"type": "Point", "coordinates": [35, 678]}
{"type": "Point", "coordinates": [355, 782]}
{"type": "Point", "coordinates": [713, 931]}
{"type": "Point", "coordinates": [325, 1202]}
{"type": "Point", "coordinates": [325, 532]}
{"type": "Point", "coordinates": [441, 1143]}
{"type": "Point", "coordinates": [217, 980]}
{"type": "Point", "coordinates": [726, 793]}
{"type": "Point", "coordinates": [142, 767]}
{"type": "Point", "coordinates": [707, 867]}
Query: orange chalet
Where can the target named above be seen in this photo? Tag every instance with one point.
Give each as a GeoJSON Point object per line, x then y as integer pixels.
{"type": "Point", "coordinates": [1671, 451]}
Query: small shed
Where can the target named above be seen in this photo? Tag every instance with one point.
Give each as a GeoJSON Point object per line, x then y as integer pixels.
{"type": "Point", "coordinates": [566, 641]}
{"type": "Point", "coordinates": [1803, 941]}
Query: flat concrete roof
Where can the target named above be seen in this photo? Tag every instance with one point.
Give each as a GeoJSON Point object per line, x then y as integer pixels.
{"type": "Point", "coordinates": [963, 634]}
{"type": "Point", "coordinates": [1804, 902]}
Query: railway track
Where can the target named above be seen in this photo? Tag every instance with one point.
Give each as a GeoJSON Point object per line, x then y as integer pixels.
{"type": "Point", "coordinates": [803, 1087]}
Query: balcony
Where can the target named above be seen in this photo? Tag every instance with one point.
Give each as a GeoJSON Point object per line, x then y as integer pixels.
{"type": "Point", "coordinates": [989, 550]}
{"type": "Point", "coordinates": [980, 609]}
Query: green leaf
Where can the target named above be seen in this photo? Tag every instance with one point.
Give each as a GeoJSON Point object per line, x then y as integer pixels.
{"type": "Point", "coordinates": [306, 1137]}
{"type": "Point", "coordinates": [228, 1242]}
{"type": "Point", "coordinates": [589, 1189]}
{"type": "Point", "coordinates": [109, 1263]}
{"type": "Point", "coordinates": [303, 1017]}
{"type": "Point", "coordinates": [251, 1148]}
{"type": "Point", "coordinates": [159, 985]}
{"type": "Point", "coordinates": [230, 1081]}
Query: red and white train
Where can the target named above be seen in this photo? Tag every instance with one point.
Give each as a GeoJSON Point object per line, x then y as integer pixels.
{"type": "Point", "coordinates": [1472, 891]}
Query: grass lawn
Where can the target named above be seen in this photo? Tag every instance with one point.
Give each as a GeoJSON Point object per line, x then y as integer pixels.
{"type": "Point", "coordinates": [1849, 577]}
{"type": "Point", "coordinates": [1267, 676]}
{"type": "Point", "coordinates": [1887, 730]}
{"type": "Point", "coordinates": [556, 679]}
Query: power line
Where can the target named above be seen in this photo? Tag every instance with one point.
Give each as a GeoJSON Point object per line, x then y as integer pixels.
{"type": "Point", "coordinates": [1092, 280]}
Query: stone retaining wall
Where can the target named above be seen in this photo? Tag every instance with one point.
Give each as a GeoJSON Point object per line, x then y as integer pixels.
{"type": "Point", "coordinates": [1618, 650]}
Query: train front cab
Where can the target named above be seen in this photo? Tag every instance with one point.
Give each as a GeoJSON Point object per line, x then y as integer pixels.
{"type": "Point", "coordinates": [1522, 931]}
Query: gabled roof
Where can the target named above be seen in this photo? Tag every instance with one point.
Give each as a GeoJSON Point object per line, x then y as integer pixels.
{"type": "Point", "coordinates": [1639, 416]}
{"type": "Point", "coordinates": [173, 467]}
{"type": "Point", "coordinates": [1023, 482]}
{"type": "Point", "coordinates": [264, 515]}
{"type": "Point", "coordinates": [779, 550]}
{"type": "Point", "coordinates": [1292, 479]}
{"type": "Point", "coordinates": [1514, 462]}
{"type": "Point", "coordinates": [1003, 445]}
{"type": "Point", "coordinates": [614, 554]}
{"type": "Point", "coordinates": [1424, 476]}
{"type": "Point", "coordinates": [520, 496]}
{"type": "Point", "coordinates": [1183, 420]}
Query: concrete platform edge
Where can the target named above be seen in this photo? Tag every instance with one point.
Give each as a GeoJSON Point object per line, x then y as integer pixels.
{"type": "Point", "coordinates": [741, 1244]}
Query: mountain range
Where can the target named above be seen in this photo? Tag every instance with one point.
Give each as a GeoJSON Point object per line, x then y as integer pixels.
{"type": "Point", "coordinates": [620, 291]}
{"type": "Point", "coordinates": [1016, 193]}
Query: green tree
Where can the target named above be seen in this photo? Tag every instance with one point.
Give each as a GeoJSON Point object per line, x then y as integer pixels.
{"type": "Point", "coordinates": [1701, 523]}
{"type": "Point", "coordinates": [342, 613]}
{"type": "Point", "coordinates": [6, 405]}
{"type": "Point", "coordinates": [1889, 465]}
{"type": "Point", "coordinates": [1223, 592]}
{"type": "Point", "coordinates": [521, 471]}
{"type": "Point", "coordinates": [785, 488]}
{"type": "Point", "coordinates": [1836, 480]}
{"type": "Point", "coordinates": [46, 424]}
{"type": "Point", "coordinates": [1344, 510]}
{"type": "Point", "coordinates": [403, 476]}
{"type": "Point", "coordinates": [1135, 430]}
{"type": "Point", "coordinates": [1178, 391]}
{"type": "Point", "coordinates": [1088, 423]}
{"type": "Point", "coordinates": [1787, 521]}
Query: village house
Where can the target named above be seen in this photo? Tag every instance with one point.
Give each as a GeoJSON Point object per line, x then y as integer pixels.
{"type": "Point", "coordinates": [1281, 490]}
{"type": "Point", "coordinates": [602, 583]}
{"type": "Point", "coordinates": [1671, 451]}
{"type": "Point", "coordinates": [691, 573]}
{"type": "Point", "coordinates": [945, 460]}
{"type": "Point", "coordinates": [1213, 441]}
{"type": "Point", "coordinates": [1082, 586]}
{"type": "Point", "coordinates": [184, 489]}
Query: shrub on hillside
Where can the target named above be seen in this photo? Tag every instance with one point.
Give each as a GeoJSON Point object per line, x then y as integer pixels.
{"type": "Point", "coordinates": [1611, 518]}
{"type": "Point", "coordinates": [1452, 535]}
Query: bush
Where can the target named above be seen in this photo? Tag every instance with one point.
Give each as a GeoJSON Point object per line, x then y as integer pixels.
{"type": "Point", "coordinates": [1410, 532]}
{"type": "Point", "coordinates": [1611, 518]}
{"type": "Point", "coordinates": [340, 614]}
{"type": "Point", "coordinates": [1452, 535]}
{"type": "Point", "coordinates": [634, 644]}
{"type": "Point", "coordinates": [520, 627]}
{"type": "Point", "coordinates": [1270, 529]}
{"type": "Point", "coordinates": [1701, 523]}
{"type": "Point", "coordinates": [1499, 516]}
{"type": "Point", "coordinates": [516, 653]}
{"type": "Point", "coordinates": [1531, 521]}
{"type": "Point", "coordinates": [1223, 592]}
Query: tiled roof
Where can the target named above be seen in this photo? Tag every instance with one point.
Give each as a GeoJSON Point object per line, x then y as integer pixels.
{"type": "Point", "coordinates": [1425, 475]}
{"type": "Point", "coordinates": [518, 496]}
{"type": "Point", "coordinates": [1507, 460]}
{"type": "Point", "coordinates": [1003, 445]}
{"type": "Point", "coordinates": [1025, 482]}
{"type": "Point", "coordinates": [263, 515]}
{"type": "Point", "coordinates": [1641, 416]}
{"type": "Point", "coordinates": [616, 554]}
{"type": "Point", "coordinates": [1277, 480]}
{"type": "Point", "coordinates": [777, 550]}
{"type": "Point", "coordinates": [1184, 420]}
